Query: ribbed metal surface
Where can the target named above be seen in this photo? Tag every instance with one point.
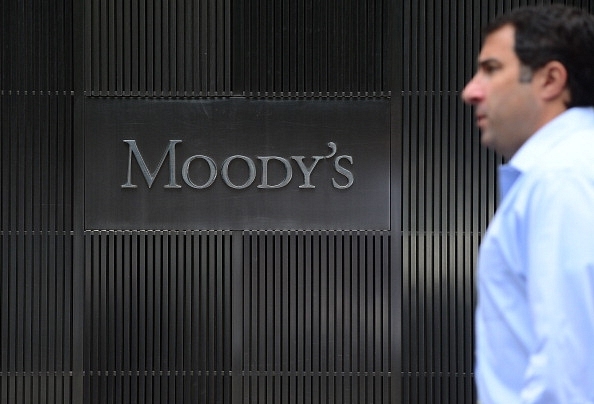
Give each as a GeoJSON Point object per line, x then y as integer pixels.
{"type": "Point", "coordinates": [448, 179]}
{"type": "Point", "coordinates": [317, 322]}
{"type": "Point", "coordinates": [36, 249]}
{"type": "Point", "coordinates": [36, 221]}
{"type": "Point", "coordinates": [35, 318]}
{"type": "Point", "coordinates": [442, 40]}
{"type": "Point", "coordinates": [36, 52]}
{"type": "Point", "coordinates": [448, 197]}
{"type": "Point", "coordinates": [36, 150]}
{"type": "Point", "coordinates": [224, 47]}
{"type": "Point", "coordinates": [313, 48]}
{"type": "Point", "coordinates": [158, 317]}
{"type": "Point", "coordinates": [158, 48]}
{"type": "Point", "coordinates": [437, 318]}
{"type": "Point", "coordinates": [314, 308]}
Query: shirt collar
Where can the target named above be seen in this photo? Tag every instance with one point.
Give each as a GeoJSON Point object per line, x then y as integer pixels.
{"type": "Point", "coordinates": [542, 141]}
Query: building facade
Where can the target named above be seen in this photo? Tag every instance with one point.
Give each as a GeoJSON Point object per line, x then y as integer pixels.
{"type": "Point", "coordinates": [240, 201]}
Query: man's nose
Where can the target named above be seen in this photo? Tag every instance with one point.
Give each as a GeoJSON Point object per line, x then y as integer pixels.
{"type": "Point", "coordinates": [473, 92]}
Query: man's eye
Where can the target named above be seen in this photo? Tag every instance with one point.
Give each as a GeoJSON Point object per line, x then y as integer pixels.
{"type": "Point", "coordinates": [490, 69]}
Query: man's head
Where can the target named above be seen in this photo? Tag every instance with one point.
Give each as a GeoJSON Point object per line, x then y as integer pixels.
{"type": "Point", "coordinates": [534, 63]}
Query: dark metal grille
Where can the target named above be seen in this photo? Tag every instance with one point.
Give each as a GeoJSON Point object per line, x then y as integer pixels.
{"type": "Point", "coordinates": [36, 150]}
{"type": "Point", "coordinates": [158, 48]}
{"type": "Point", "coordinates": [316, 318]}
{"type": "Point", "coordinates": [312, 48]}
{"type": "Point", "coordinates": [36, 318]}
{"type": "Point", "coordinates": [36, 220]}
{"type": "Point", "coordinates": [158, 313]}
{"type": "Point", "coordinates": [36, 55]}
{"type": "Point", "coordinates": [313, 309]}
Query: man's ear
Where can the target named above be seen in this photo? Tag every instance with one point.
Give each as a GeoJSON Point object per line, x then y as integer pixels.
{"type": "Point", "coordinates": [553, 82]}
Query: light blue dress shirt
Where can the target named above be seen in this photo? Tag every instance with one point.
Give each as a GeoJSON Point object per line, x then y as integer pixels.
{"type": "Point", "coordinates": [535, 313]}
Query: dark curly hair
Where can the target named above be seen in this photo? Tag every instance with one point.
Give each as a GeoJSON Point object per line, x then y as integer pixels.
{"type": "Point", "coordinates": [555, 32]}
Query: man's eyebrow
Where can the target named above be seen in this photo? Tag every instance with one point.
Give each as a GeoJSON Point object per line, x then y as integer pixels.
{"type": "Point", "coordinates": [489, 62]}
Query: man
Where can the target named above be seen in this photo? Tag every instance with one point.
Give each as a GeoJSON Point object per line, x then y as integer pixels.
{"type": "Point", "coordinates": [533, 94]}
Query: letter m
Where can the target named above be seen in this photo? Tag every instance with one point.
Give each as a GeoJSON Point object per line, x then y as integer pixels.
{"type": "Point", "coordinates": [150, 176]}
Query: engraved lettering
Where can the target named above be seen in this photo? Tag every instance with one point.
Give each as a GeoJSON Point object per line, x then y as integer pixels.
{"type": "Point", "coordinates": [288, 172]}
{"type": "Point", "coordinates": [212, 171]}
{"type": "Point", "coordinates": [306, 170]}
{"type": "Point", "coordinates": [332, 146]}
{"type": "Point", "coordinates": [148, 176]}
{"type": "Point", "coordinates": [341, 170]}
{"type": "Point", "coordinates": [251, 174]}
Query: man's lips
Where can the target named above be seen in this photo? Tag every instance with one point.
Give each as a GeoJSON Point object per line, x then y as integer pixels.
{"type": "Point", "coordinates": [480, 120]}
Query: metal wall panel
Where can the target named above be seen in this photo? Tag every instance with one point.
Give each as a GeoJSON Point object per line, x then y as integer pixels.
{"type": "Point", "coordinates": [240, 194]}
{"type": "Point", "coordinates": [36, 55]}
{"type": "Point", "coordinates": [36, 147]}
{"type": "Point", "coordinates": [36, 221]}
{"type": "Point", "coordinates": [35, 318]}
{"type": "Point", "coordinates": [36, 249]}
{"type": "Point", "coordinates": [269, 48]}
{"type": "Point", "coordinates": [158, 48]}
{"type": "Point", "coordinates": [312, 48]}
{"type": "Point", "coordinates": [158, 317]}
{"type": "Point", "coordinates": [448, 198]}
{"type": "Point", "coordinates": [316, 317]}
{"type": "Point", "coordinates": [315, 324]}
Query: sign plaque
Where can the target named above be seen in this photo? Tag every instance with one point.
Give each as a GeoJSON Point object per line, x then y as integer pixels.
{"type": "Point", "coordinates": [237, 164]}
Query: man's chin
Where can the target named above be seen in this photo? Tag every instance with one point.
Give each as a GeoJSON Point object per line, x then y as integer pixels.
{"type": "Point", "coordinates": [486, 139]}
{"type": "Point", "coordinates": [489, 142]}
